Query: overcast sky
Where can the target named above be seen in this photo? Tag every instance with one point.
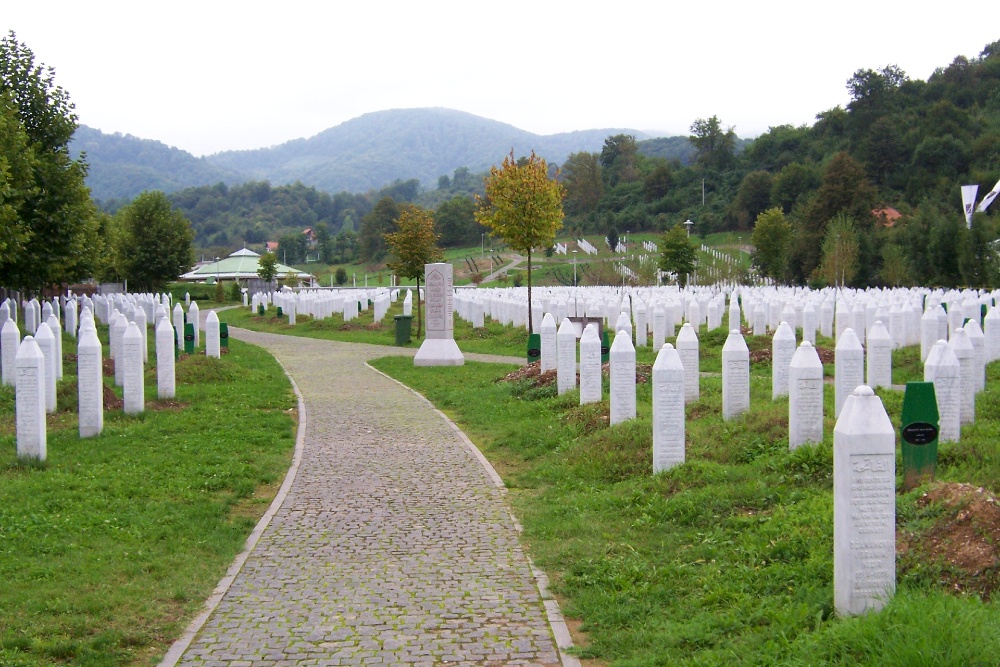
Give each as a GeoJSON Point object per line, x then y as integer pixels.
{"type": "Point", "coordinates": [216, 75]}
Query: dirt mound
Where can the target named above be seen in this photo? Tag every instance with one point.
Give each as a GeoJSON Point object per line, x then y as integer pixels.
{"type": "Point", "coordinates": [532, 373]}
{"type": "Point", "coordinates": [964, 541]}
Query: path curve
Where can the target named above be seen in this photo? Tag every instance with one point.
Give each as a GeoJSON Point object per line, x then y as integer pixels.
{"type": "Point", "coordinates": [393, 544]}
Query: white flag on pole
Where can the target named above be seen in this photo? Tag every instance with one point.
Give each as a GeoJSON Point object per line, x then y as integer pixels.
{"type": "Point", "coordinates": [969, 201]}
{"type": "Point", "coordinates": [988, 199]}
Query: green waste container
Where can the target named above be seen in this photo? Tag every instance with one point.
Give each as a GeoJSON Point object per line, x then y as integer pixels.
{"type": "Point", "coordinates": [189, 338]}
{"type": "Point", "coordinates": [404, 325]}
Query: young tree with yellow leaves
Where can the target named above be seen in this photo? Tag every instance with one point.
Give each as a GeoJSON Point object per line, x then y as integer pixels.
{"type": "Point", "coordinates": [523, 206]}
{"type": "Point", "coordinates": [413, 246]}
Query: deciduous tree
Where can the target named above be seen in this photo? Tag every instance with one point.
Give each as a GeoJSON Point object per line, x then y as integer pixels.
{"type": "Point", "coordinates": [47, 220]}
{"type": "Point", "coordinates": [841, 251]}
{"type": "Point", "coordinates": [267, 267]}
{"type": "Point", "coordinates": [523, 206]}
{"type": "Point", "coordinates": [156, 241]}
{"type": "Point", "coordinates": [413, 246]}
{"type": "Point", "coordinates": [772, 235]}
{"type": "Point", "coordinates": [678, 256]}
{"type": "Point", "coordinates": [716, 147]}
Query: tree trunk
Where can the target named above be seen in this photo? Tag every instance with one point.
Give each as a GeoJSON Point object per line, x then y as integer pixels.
{"type": "Point", "coordinates": [418, 307]}
{"type": "Point", "coordinates": [531, 327]}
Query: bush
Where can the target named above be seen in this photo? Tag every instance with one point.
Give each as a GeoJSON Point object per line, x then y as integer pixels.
{"type": "Point", "coordinates": [235, 293]}
{"type": "Point", "coordinates": [220, 292]}
{"type": "Point", "coordinates": [340, 275]}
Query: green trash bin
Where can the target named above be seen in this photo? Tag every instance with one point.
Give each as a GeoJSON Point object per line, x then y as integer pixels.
{"type": "Point", "coordinates": [404, 326]}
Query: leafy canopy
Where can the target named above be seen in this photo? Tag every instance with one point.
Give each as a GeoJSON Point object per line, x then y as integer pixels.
{"type": "Point", "coordinates": [414, 244]}
{"type": "Point", "coordinates": [155, 241]}
{"type": "Point", "coordinates": [678, 256]}
{"type": "Point", "coordinates": [523, 206]}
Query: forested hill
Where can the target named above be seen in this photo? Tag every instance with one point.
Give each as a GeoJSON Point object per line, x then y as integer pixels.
{"type": "Point", "coordinates": [378, 148]}
{"type": "Point", "coordinates": [122, 166]}
{"type": "Point", "coordinates": [363, 154]}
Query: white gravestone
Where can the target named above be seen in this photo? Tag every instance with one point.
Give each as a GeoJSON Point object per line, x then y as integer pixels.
{"type": "Point", "coordinates": [622, 378]}
{"type": "Point", "coordinates": [408, 303]}
{"type": "Point", "coordinates": [659, 325]}
{"type": "Point", "coordinates": [668, 409]}
{"type": "Point", "coordinates": [548, 336]}
{"type": "Point", "coordinates": [962, 348]}
{"type": "Point", "coordinates": [978, 340]}
{"type": "Point", "coordinates": [641, 324]}
{"type": "Point", "coordinates": [141, 321]}
{"type": "Point", "coordinates": [131, 359]}
{"type": "Point", "coordinates": [928, 332]}
{"type": "Point", "coordinates": [565, 356]}
{"type": "Point", "coordinates": [687, 348]}
{"type": "Point", "coordinates": [782, 351]}
{"type": "Point", "coordinates": [439, 348]}
{"type": "Point", "coordinates": [991, 329]}
{"type": "Point", "coordinates": [29, 400]}
{"type": "Point", "coordinates": [809, 319]}
{"type": "Point", "coordinates": [805, 397]}
{"type": "Point", "coordinates": [212, 342]}
{"type": "Point", "coordinates": [590, 366]}
{"type": "Point", "coordinates": [47, 344]}
{"type": "Point", "coordinates": [53, 321]}
{"type": "Point", "coordinates": [70, 317]}
{"type": "Point", "coordinates": [179, 325]}
{"type": "Point", "coordinates": [849, 367]}
{"type": "Point", "coordinates": [10, 340]}
{"type": "Point", "coordinates": [193, 314]}
{"type": "Point", "coordinates": [864, 505]}
{"type": "Point", "coordinates": [879, 356]}
{"type": "Point", "coordinates": [90, 382]}
{"type": "Point", "coordinates": [942, 368]}
{"type": "Point", "coordinates": [165, 369]}
{"type": "Point", "coordinates": [117, 330]}
{"type": "Point", "coordinates": [735, 376]}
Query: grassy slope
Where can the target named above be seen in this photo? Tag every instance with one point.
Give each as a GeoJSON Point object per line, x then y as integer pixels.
{"type": "Point", "coordinates": [110, 548]}
{"type": "Point", "coordinates": [726, 559]}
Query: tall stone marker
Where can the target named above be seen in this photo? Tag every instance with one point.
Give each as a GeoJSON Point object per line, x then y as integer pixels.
{"type": "Point", "coordinates": [942, 368]}
{"type": "Point", "coordinates": [10, 340]}
{"type": "Point", "coordinates": [805, 397]}
{"type": "Point", "coordinates": [565, 354]}
{"type": "Point", "coordinates": [29, 400]}
{"type": "Point", "coordinates": [212, 344]}
{"type": "Point", "coordinates": [90, 382]}
{"type": "Point", "coordinates": [864, 505]}
{"type": "Point", "coordinates": [687, 348]}
{"type": "Point", "coordinates": [549, 331]}
{"type": "Point", "coordinates": [166, 380]}
{"type": "Point", "coordinates": [668, 409]}
{"type": "Point", "coordinates": [782, 351]}
{"type": "Point", "coordinates": [591, 379]}
{"type": "Point", "coordinates": [46, 342]}
{"type": "Point", "coordinates": [735, 376]}
{"type": "Point", "coordinates": [439, 347]}
{"type": "Point", "coordinates": [849, 367]}
{"type": "Point", "coordinates": [134, 389]}
{"type": "Point", "coordinates": [622, 377]}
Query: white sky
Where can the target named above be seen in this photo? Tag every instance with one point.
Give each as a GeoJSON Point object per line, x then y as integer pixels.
{"type": "Point", "coordinates": [218, 75]}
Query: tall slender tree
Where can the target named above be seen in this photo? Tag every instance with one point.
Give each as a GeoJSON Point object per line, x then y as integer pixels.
{"type": "Point", "coordinates": [413, 246]}
{"type": "Point", "coordinates": [523, 206]}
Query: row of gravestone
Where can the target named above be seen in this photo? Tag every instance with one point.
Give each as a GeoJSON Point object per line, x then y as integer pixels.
{"type": "Point", "coordinates": [37, 365]}
{"type": "Point", "coordinates": [864, 439]}
{"type": "Point", "coordinates": [321, 303]}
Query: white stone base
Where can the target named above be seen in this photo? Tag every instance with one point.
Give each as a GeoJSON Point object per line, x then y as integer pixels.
{"type": "Point", "coordinates": [439, 352]}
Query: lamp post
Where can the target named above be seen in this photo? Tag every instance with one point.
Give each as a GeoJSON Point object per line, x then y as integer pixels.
{"type": "Point", "coordinates": [216, 269]}
{"type": "Point", "coordinates": [689, 225]}
{"type": "Point", "coordinates": [574, 267]}
{"type": "Point", "coordinates": [482, 245]}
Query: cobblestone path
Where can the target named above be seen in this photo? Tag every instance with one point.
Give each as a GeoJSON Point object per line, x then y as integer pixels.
{"type": "Point", "coordinates": [392, 547]}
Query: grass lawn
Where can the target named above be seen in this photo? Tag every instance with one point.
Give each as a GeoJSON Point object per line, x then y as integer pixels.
{"type": "Point", "coordinates": [727, 559]}
{"type": "Point", "coordinates": [110, 547]}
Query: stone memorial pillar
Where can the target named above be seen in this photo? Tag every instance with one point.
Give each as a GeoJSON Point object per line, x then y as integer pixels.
{"type": "Point", "coordinates": [71, 318]}
{"type": "Point", "coordinates": [10, 340]}
{"type": "Point", "coordinates": [864, 505]}
{"type": "Point", "coordinates": [291, 306]}
{"type": "Point", "coordinates": [408, 303]}
{"type": "Point", "coordinates": [879, 356]}
{"type": "Point", "coordinates": [193, 317]}
{"type": "Point", "coordinates": [641, 325]}
{"type": "Point", "coordinates": [549, 330]}
{"type": "Point", "coordinates": [56, 330]}
{"type": "Point", "coordinates": [591, 380]}
{"type": "Point", "coordinates": [928, 332]}
{"type": "Point", "coordinates": [659, 325]}
{"type": "Point", "coordinates": [782, 351]}
{"type": "Point", "coordinates": [978, 340]}
{"type": "Point", "coordinates": [165, 366]}
{"type": "Point", "coordinates": [942, 368]}
{"type": "Point", "coordinates": [687, 348]}
{"type": "Point", "coordinates": [622, 378]}
{"type": "Point", "coordinates": [805, 397]}
{"type": "Point", "coordinates": [179, 325]}
{"type": "Point", "coordinates": [47, 344]}
{"type": "Point", "coordinates": [962, 348]}
{"type": "Point", "coordinates": [90, 382]}
{"type": "Point", "coordinates": [141, 322]}
{"type": "Point", "coordinates": [991, 329]}
{"type": "Point", "coordinates": [849, 367]}
{"type": "Point", "coordinates": [29, 400]}
{"type": "Point", "coordinates": [735, 376]}
{"type": "Point", "coordinates": [809, 317]}
{"type": "Point", "coordinates": [565, 354]}
{"type": "Point", "coordinates": [213, 346]}
{"type": "Point", "coordinates": [439, 348]}
{"type": "Point", "coordinates": [668, 409]}
{"type": "Point", "coordinates": [131, 360]}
